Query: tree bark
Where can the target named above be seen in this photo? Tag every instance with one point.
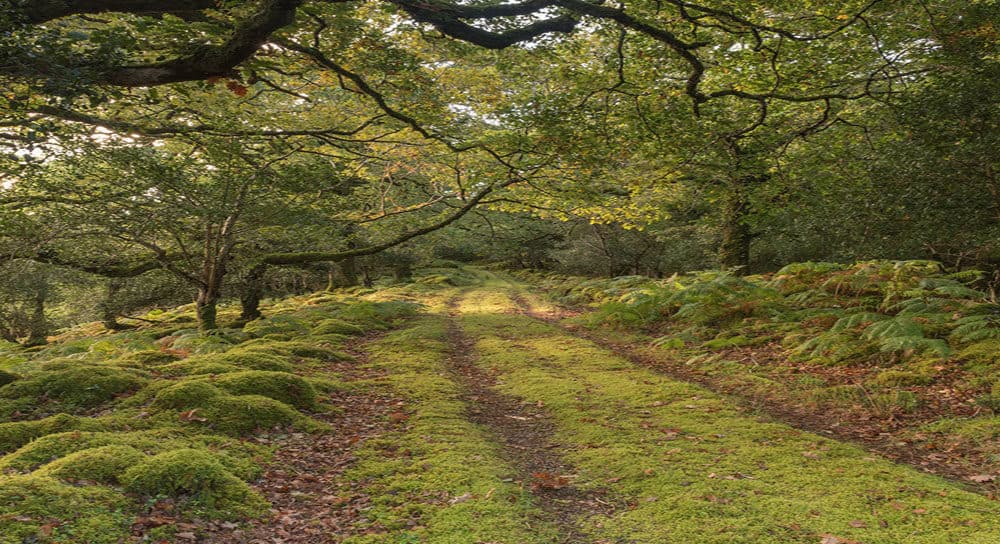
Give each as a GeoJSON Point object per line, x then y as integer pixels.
{"type": "Point", "coordinates": [734, 248]}
{"type": "Point", "coordinates": [252, 293]}
{"type": "Point", "coordinates": [38, 330]}
{"type": "Point", "coordinates": [205, 309]}
{"type": "Point", "coordinates": [109, 316]}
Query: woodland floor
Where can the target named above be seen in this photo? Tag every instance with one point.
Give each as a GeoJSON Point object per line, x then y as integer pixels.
{"type": "Point", "coordinates": [487, 420]}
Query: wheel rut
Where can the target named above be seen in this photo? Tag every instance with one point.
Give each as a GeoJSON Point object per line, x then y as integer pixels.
{"type": "Point", "coordinates": [526, 433]}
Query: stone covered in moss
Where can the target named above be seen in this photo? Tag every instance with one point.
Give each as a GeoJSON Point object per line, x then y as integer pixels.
{"type": "Point", "coordinates": [288, 388]}
{"type": "Point", "coordinates": [82, 386]}
{"type": "Point", "coordinates": [186, 395]}
{"type": "Point", "coordinates": [337, 326]}
{"type": "Point", "coordinates": [238, 415]}
{"type": "Point", "coordinates": [198, 477]}
{"type": "Point", "coordinates": [104, 464]}
{"type": "Point", "coordinates": [31, 456]}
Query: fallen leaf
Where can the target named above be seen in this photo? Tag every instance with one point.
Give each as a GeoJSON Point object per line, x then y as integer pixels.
{"type": "Point", "coordinates": [858, 524]}
{"type": "Point", "coordinates": [982, 478]}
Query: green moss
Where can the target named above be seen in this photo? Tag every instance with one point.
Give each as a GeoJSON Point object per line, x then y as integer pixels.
{"type": "Point", "coordinates": [247, 360]}
{"type": "Point", "coordinates": [86, 514]}
{"type": "Point", "coordinates": [105, 464]}
{"type": "Point", "coordinates": [7, 377]}
{"type": "Point", "coordinates": [54, 446]}
{"type": "Point", "coordinates": [336, 326]}
{"type": "Point", "coordinates": [982, 357]}
{"type": "Point", "coordinates": [902, 378]}
{"type": "Point", "coordinates": [452, 485]}
{"type": "Point", "coordinates": [186, 395]}
{"type": "Point", "coordinates": [15, 434]}
{"type": "Point", "coordinates": [243, 414]}
{"type": "Point", "coordinates": [197, 477]}
{"type": "Point", "coordinates": [279, 324]}
{"type": "Point", "coordinates": [697, 469]}
{"type": "Point", "coordinates": [283, 386]}
{"type": "Point", "coordinates": [81, 386]}
{"type": "Point", "coordinates": [147, 358]}
{"type": "Point", "coordinates": [196, 367]}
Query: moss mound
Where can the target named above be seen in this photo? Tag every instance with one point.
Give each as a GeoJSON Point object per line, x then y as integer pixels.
{"type": "Point", "coordinates": [31, 456]}
{"type": "Point", "coordinates": [198, 477]}
{"type": "Point", "coordinates": [238, 415]}
{"type": "Point", "coordinates": [279, 324]}
{"type": "Point", "coordinates": [105, 464]}
{"type": "Point", "coordinates": [81, 386]}
{"type": "Point", "coordinates": [186, 395]}
{"type": "Point", "coordinates": [287, 388]}
{"type": "Point", "coordinates": [91, 514]}
{"type": "Point", "coordinates": [337, 326]}
{"type": "Point", "coordinates": [196, 367]}
{"type": "Point", "coordinates": [248, 360]}
{"type": "Point", "coordinates": [15, 434]}
{"type": "Point", "coordinates": [147, 358]}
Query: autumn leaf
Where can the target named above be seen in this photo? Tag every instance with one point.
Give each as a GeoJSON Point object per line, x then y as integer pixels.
{"type": "Point", "coordinates": [236, 88]}
{"type": "Point", "coordinates": [982, 478]}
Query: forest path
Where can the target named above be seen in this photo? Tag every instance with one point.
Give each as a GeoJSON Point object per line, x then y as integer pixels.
{"type": "Point", "coordinates": [677, 462]}
{"type": "Point", "coordinates": [497, 427]}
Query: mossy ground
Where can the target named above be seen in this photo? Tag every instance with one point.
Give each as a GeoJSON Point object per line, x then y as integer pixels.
{"type": "Point", "coordinates": [695, 468]}
{"type": "Point", "coordinates": [858, 350]}
{"type": "Point", "coordinates": [173, 416]}
{"type": "Point", "coordinates": [96, 427]}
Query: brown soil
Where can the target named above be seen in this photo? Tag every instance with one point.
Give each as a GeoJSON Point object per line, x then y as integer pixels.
{"type": "Point", "coordinates": [526, 432]}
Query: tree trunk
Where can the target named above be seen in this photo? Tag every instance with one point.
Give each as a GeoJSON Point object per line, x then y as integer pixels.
{"type": "Point", "coordinates": [734, 249]}
{"type": "Point", "coordinates": [343, 274]}
{"type": "Point", "coordinates": [109, 315]}
{"type": "Point", "coordinates": [402, 272]}
{"type": "Point", "coordinates": [38, 330]}
{"type": "Point", "coordinates": [205, 308]}
{"type": "Point", "coordinates": [253, 291]}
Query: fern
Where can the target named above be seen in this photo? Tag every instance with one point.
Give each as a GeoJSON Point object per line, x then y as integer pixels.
{"type": "Point", "coordinates": [856, 320]}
